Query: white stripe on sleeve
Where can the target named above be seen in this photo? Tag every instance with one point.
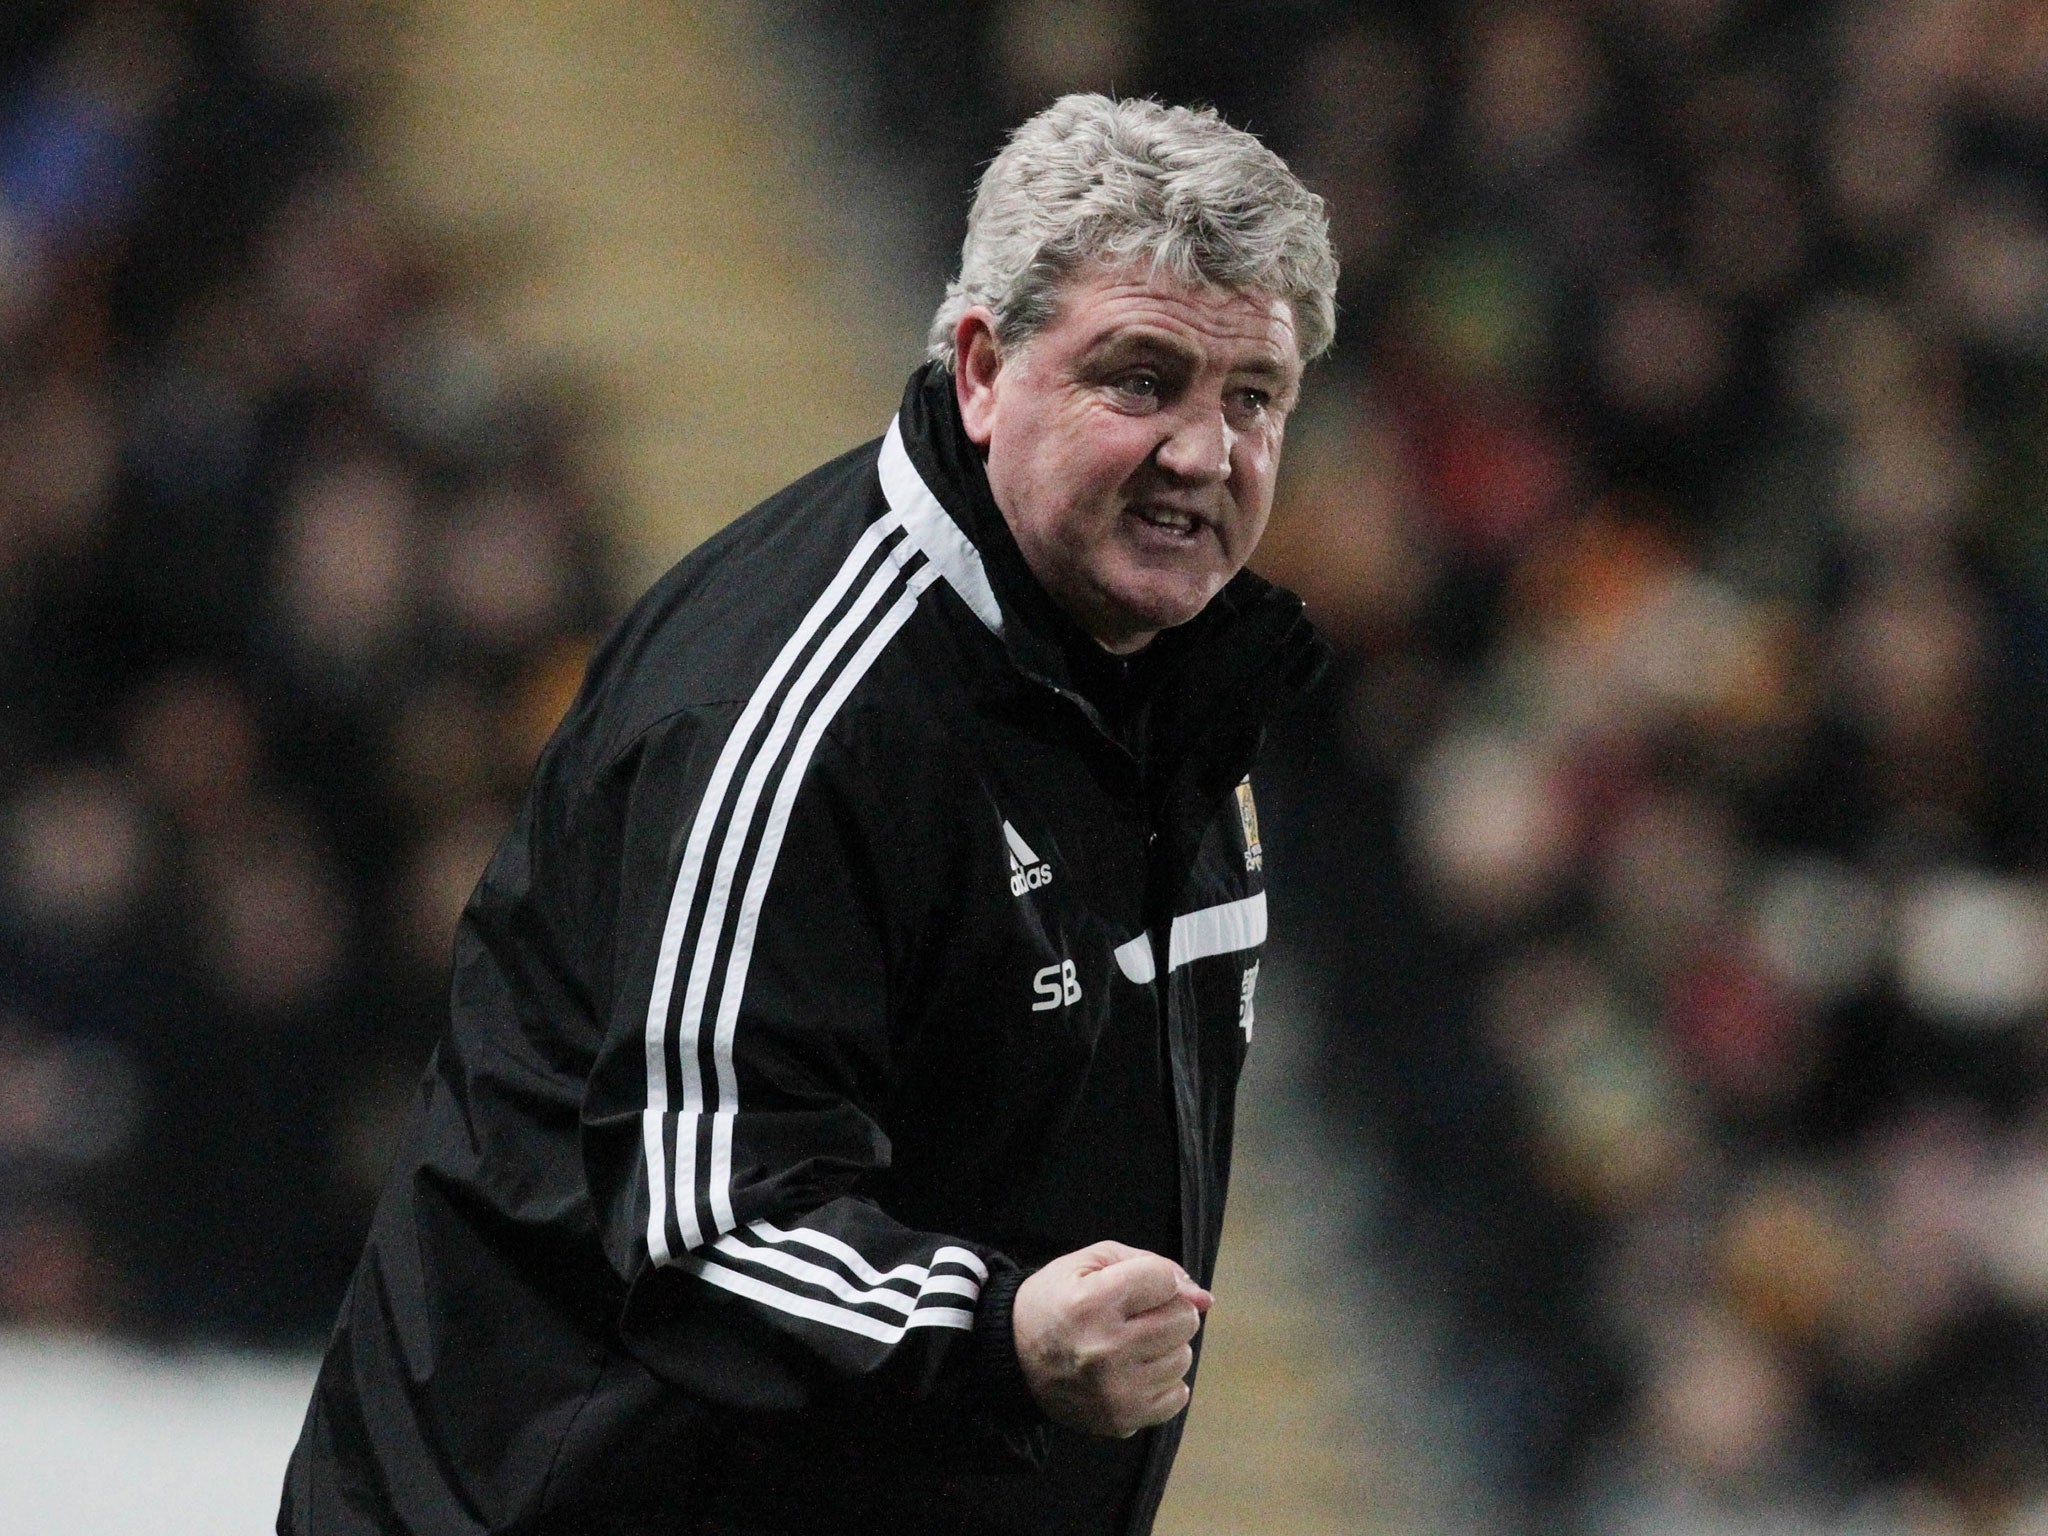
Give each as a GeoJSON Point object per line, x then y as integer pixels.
{"type": "Point", "coordinates": [1217, 930]}
{"type": "Point", "coordinates": [858, 1266]}
{"type": "Point", "coordinates": [733, 980]}
{"type": "Point", "coordinates": [1222, 929]}
{"type": "Point", "coordinates": [1134, 959]}
{"type": "Point", "coordinates": [805, 711]}
{"type": "Point", "coordinates": [680, 902]}
{"type": "Point", "coordinates": [754, 1289]}
{"type": "Point", "coordinates": [816, 1274]}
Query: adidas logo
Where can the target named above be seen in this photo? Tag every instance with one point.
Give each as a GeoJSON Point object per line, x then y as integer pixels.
{"type": "Point", "coordinates": [1027, 871]}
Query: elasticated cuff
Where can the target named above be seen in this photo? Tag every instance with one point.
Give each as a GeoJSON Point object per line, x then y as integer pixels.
{"type": "Point", "coordinates": [1004, 1394]}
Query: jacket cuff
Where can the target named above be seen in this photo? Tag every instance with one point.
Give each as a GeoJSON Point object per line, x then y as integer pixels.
{"type": "Point", "coordinates": [1004, 1394]}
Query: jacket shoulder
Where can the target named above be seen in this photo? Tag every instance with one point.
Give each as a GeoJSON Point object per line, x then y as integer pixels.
{"type": "Point", "coordinates": [707, 631]}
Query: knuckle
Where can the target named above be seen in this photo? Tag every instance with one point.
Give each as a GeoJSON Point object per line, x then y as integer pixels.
{"type": "Point", "coordinates": [1093, 1363]}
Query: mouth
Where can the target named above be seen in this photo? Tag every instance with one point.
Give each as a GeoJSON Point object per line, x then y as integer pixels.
{"type": "Point", "coordinates": [1175, 522]}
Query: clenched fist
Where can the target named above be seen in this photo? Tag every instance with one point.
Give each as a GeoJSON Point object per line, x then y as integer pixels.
{"type": "Point", "coordinates": [1103, 1336]}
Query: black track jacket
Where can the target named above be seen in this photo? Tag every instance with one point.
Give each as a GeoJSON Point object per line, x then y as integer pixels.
{"type": "Point", "coordinates": [768, 1014]}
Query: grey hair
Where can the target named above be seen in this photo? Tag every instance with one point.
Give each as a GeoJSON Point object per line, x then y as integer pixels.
{"type": "Point", "coordinates": [1091, 179]}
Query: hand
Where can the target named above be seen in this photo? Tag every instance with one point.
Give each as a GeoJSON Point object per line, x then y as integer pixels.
{"type": "Point", "coordinates": [1104, 1338]}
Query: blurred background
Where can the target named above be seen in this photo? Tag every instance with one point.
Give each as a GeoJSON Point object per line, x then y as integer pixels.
{"type": "Point", "coordinates": [1649, 1131]}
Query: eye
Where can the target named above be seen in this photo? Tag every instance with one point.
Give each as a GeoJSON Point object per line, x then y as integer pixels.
{"type": "Point", "coordinates": [1250, 403]}
{"type": "Point", "coordinates": [1140, 386]}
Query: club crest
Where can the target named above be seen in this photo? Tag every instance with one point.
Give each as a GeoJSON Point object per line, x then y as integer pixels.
{"type": "Point", "coordinates": [1248, 814]}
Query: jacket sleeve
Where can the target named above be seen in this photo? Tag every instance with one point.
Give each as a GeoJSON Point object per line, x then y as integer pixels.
{"type": "Point", "coordinates": [736, 1104]}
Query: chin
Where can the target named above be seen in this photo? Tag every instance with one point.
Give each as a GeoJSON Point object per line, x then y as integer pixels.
{"type": "Point", "coordinates": [1155, 610]}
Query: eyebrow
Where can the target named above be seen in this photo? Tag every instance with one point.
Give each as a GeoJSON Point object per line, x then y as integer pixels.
{"type": "Point", "coordinates": [1121, 346]}
{"type": "Point", "coordinates": [1267, 368]}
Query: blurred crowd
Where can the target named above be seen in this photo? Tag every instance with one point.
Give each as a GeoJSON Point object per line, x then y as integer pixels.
{"type": "Point", "coordinates": [1671, 852]}
{"type": "Point", "coordinates": [1682, 509]}
{"type": "Point", "coordinates": [295, 577]}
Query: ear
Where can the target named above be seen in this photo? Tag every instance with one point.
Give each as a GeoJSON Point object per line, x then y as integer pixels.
{"type": "Point", "coordinates": [977, 361]}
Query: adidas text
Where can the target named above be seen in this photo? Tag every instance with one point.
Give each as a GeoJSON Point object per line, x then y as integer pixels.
{"type": "Point", "coordinates": [1027, 870]}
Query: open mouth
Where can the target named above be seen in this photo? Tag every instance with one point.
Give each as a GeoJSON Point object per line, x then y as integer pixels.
{"type": "Point", "coordinates": [1168, 520]}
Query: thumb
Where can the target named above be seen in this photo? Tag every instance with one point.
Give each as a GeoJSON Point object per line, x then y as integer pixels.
{"type": "Point", "coordinates": [1100, 1256]}
{"type": "Point", "coordinates": [1194, 1295]}
{"type": "Point", "coordinates": [1142, 1281]}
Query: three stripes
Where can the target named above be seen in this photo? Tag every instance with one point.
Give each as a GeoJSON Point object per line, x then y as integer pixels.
{"type": "Point", "coordinates": [714, 911]}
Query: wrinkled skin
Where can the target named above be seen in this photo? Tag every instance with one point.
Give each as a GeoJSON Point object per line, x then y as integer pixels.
{"type": "Point", "coordinates": [1133, 442]}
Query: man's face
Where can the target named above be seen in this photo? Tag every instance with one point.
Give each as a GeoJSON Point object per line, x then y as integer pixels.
{"type": "Point", "coordinates": [1133, 442]}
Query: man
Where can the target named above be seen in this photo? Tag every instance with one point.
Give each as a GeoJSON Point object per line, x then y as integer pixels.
{"type": "Point", "coordinates": [832, 1127]}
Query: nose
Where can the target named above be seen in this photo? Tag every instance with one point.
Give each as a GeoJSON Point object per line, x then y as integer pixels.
{"type": "Point", "coordinates": [1196, 444]}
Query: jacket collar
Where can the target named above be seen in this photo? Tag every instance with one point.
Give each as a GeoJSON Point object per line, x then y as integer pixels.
{"type": "Point", "coordinates": [1251, 643]}
{"type": "Point", "coordinates": [1040, 635]}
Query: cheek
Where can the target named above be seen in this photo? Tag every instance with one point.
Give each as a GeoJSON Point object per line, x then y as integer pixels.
{"type": "Point", "coordinates": [1253, 473]}
{"type": "Point", "coordinates": [1075, 462]}
{"type": "Point", "coordinates": [1110, 451]}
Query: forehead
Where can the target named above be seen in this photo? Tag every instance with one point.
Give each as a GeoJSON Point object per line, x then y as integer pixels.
{"type": "Point", "coordinates": [1120, 308]}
